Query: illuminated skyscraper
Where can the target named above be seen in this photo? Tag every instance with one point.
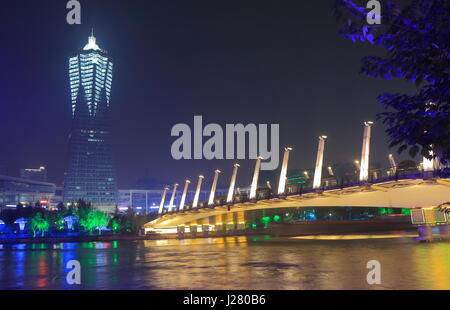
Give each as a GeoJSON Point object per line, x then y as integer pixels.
{"type": "Point", "coordinates": [90, 174]}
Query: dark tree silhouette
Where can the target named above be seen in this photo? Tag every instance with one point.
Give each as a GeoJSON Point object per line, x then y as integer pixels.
{"type": "Point", "coordinates": [416, 36]}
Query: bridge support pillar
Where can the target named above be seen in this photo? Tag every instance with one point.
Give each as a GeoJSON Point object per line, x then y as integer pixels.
{"type": "Point", "coordinates": [172, 198]}
{"type": "Point", "coordinates": [180, 231]}
{"type": "Point", "coordinates": [254, 185]}
{"type": "Point", "coordinates": [319, 162]}
{"type": "Point", "coordinates": [197, 191]}
{"type": "Point", "coordinates": [205, 229]}
{"type": "Point", "coordinates": [444, 231]}
{"type": "Point", "coordinates": [364, 164]}
{"type": "Point", "coordinates": [163, 197]}
{"type": "Point", "coordinates": [232, 184]}
{"type": "Point", "coordinates": [183, 197]}
{"type": "Point", "coordinates": [425, 233]}
{"type": "Point", "coordinates": [430, 164]}
{"type": "Point", "coordinates": [393, 164]}
{"type": "Point", "coordinates": [213, 188]}
{"type": "Point", "coordinates": [193, 230]}
{"type": "Point", "coordinates": [283, 173]}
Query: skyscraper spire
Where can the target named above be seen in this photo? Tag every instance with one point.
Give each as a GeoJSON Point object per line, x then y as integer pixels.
{"type": "Point", "coordinates": [91, 42]}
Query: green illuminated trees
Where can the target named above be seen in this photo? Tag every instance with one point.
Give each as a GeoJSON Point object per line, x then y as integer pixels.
{"type": "Point", "coordinates": [93, 219]}
{"type": "Point", "coordinates": [38, 223]}
{"type": "Point", "coordinates": [87, 220]}
{"type": "Point", "coordinates": [114, 224]}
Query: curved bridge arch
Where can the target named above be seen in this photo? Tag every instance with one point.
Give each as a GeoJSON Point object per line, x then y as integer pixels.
{"type": "Point", "coordinates": [394, 194]}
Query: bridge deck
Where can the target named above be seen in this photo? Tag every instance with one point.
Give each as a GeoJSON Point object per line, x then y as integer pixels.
{"type": "Point", "coordinates": [407, 193]}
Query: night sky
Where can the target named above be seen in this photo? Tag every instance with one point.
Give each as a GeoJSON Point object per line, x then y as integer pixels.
{"type": "Point", "coordinates": [229, 61]}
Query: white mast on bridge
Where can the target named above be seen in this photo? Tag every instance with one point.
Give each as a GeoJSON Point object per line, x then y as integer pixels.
{"type": "Point", "coordinates": [393, 163]}
{"type": "Point", "coordinates": [232, 183]}
{"type": "Point", "coordinates": [183, 197]}
{"type": "Point", "coordinates": [163, 197]}
{"type": "Point", "coordinates": [197, 191]}
{"type": "Point", "coordinates": [364, 168]}
{"type": "Point", "coordinates": [319, 162]}
{"type": "Point", "coordinates": [213, 188]}
{"type": "Point", "coordinates": [254, 185]}
{"type": "Point", "coordinates": [282, 182]}
{"type": "Point", "coordinates": [172, 199]}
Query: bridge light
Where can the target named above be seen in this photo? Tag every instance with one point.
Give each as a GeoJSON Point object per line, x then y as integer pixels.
{"type": "Point", "coordinates": [254, 185]}
{"type": "Point", "coordinates": [393, 163]}
{"type": "Point", "coordinates": [213, 188]}
{"type": "Point", "coordinates": [330, 171]}
{"type": "Point", "coordinates": [232, 183]}
{"type": "Point", "coordinates": [282, 181]}
{"type": "Point", "coordinates": [430, 164]}
{"type": "Point", "coordinates": [357, 165]}
{"type": "Point", "coordinates": [183, 196]}
{"type": "Point", "coordinates": [364, 165]}
{"type": "Point", "coordinates": [197, 191]}
{"type": "Point", "coordinates": [172, 199]}
{"type": "Point", "coordinates": [319, 162]}
{"type": "Point", "coordinates": [163, 197]}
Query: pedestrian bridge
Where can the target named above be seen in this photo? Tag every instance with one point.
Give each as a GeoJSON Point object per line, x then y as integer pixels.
{"type": "Point", "coordinates": [406, 193]}
{"type": "Point", "coordinates": [428, 186]}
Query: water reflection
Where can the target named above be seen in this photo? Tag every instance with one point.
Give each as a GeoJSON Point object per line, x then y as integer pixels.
{"type": "Point", "coordinates": [433, 265]}
{"type": "Point", "coordinates": [228, 262]}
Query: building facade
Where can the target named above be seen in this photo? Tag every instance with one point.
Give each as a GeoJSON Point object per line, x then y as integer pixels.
{"type": "Point", "coordinates": [14, 191]}
{"type": "Point", "coordinates": [143, 201]}
{"type": "Point", "coordinates": [90, 173]}
{"type": "Point", "coordinates": [35, 174]}
{"type": "Point", "coordinates": [148, 201]}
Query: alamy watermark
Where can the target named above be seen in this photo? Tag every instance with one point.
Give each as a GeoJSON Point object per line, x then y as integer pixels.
{"type": "Point", "coordinates": [74, 274]}
{"type": "Point", "coordinates": [235, 142]}
{"type": "Point", "coordinates": [374, 15]}
{"type": "Point", "coordinates": [374, 275]}
{"type": "Point", "coordinates": [74, 15]}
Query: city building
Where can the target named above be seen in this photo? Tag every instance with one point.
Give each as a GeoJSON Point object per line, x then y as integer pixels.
{"type": "Point", "coordinates": [147, 201]}
{"type": "Point", "coordinates": [24, 191]}
{"type": "Point", "coordinates": [90, 173]}
{"type": "Point", "coordinates": [57, 198]}
{"type": "Point", "coordinates": [38, 174]}
{"type": "Point", "coordinates": [139, 200]}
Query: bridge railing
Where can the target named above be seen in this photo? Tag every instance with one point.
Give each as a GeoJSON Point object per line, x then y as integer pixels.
{"type": "Point", "coordinates": [377, 176]}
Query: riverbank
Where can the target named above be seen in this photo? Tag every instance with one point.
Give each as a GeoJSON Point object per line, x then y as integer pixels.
{"type": "Point", "coordinates": [308, 228]}
{"type": "Point", "coordinates": [10, 240]}
{"type": "Point", "coordinates": [108, 238]}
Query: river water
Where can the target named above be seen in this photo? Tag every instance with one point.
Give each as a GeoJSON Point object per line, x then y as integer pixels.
{"type": "Point", "coordinates": [229, 263]}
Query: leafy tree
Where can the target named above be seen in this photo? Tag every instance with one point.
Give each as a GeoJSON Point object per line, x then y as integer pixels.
{"type": "Point", "coordinates": [94, 219]}
{"type": "Point", "coordinates": [81, 211]}
{"type": "Point", "coordinates": [114, 224]}
{"type": "Point", "coordinates": [416, 38]}
{"type": "Point", "coordinates": [38, 223]}
{"type": "Point", "coordinates": [136, 221]}
{"type": "Point", "coordinates": [56, 218]}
